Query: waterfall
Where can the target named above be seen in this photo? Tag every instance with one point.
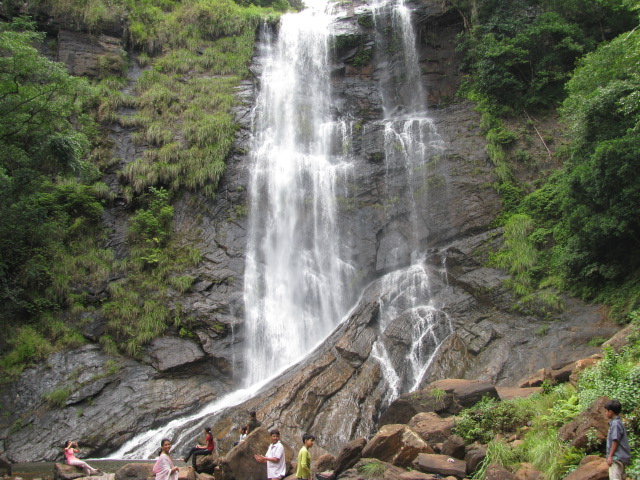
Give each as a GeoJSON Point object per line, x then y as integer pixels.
{"type": "Point", "coordinates": [411, 143]}
{"type": "Point", "coordinates": [299, 282]}
{"type": "Point", "coordinates": [294, 277]}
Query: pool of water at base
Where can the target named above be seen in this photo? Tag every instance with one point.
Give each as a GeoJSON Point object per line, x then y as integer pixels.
{"type": "Point", "coordinates": [44, 470]}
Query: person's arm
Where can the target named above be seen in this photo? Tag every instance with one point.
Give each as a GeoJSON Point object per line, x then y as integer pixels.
{"type": "Point", "coordinates": [612, 451]}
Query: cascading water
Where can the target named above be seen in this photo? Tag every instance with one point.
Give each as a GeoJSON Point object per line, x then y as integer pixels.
{"type": "Point", "coordinates": [298, 279]}
{"type": "Point", "coordinates": [411, 143]}
{"type": "Point", "coordinates": [294, 294]}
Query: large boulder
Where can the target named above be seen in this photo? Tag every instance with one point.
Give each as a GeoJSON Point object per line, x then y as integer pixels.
{"type": "Point", "coordinates": [349, 455]}
{"type": "Point", "coordinates": [362, 469]}
{"type": "Point", "coordinates": [62, 471]}
{"type": "Point", "coordinates": [581, 365]}
{"type": "Point", "coordinates": [474, 456]}
{"type": "Point", "coordinates": [508, 393]}
{"type": "Point", "coordinates": [431, 427]}
{"type": "Point", "coordinates": [536, 379]}
{"type": "Point", "coordinates": [440, 464]}
{"type": "Point", "coordinates": [207, 463]}
{"type": "Point", "coordinates": [323, 463]}
{"type": "Point", "coordinates": [449, 396]}
{"type": "Point", "coordinates": [591, 467]}
{"type": "Point", "coordinates": [239, 463]}
{"type": "Point", "coordinates": [497, 472]}
{"type": "Point", "coordinates": [590, 424]}
{"type": "Point", "coordinates": [454, 447]}
{"type": "Point", "coordinates": [135, 471]}
{"type": "Point", "coordinates": [396, 444]}
{"type": "Point", "coordinates": [526, 471]}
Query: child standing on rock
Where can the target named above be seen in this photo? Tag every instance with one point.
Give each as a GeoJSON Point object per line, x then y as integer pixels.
{"type": "Point", "coordinates": [303, 471]}
{"type": "Point", "coordinates": [618, 451]}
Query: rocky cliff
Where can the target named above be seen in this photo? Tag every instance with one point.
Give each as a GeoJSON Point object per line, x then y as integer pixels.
{"type": "Point", "coordinates": [340, 390]}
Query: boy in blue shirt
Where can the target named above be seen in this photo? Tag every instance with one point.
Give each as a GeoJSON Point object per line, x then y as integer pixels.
{"type": "Point", "coordinates": [618, 451]}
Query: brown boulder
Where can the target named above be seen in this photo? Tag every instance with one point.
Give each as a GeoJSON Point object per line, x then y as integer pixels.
{"type": "Point", "coordinates": [449, 396]}
{"type": "Point", "coordinates": [528, 472]}
{"type": "Point", "coordinates": [323, 463]}
{"type": "Point", "coordinates": [580, 365]}
{"type": "Point", "coordinates": [508, 393]}
{"type": "Point", "coordinates": [474, 456]}
{"type": "Point", "coordinates": [454, 447]}
{"type": "Point", "coordinates": [562, 375]}
{"type": "Point", "coordinates": [593, 419]}
{"type": "Point", "coordinates": [62, 471]}
{"type": "Point", "coordinates": [349, 455]}
{"type": "Point", "coordinates": [383, 470]}
{"type": "Point", "coordinates": [591, 467]}
{"type": "Point", "coordinates": [536, 378]}
{"type": "Point", "coordinates": [396, 444]}
{"type": "Point", "coordinates": [466, 393]}
{"type": "Point", "coordinates": [496, 472]}
{"type": "Point", "coordinates": [431, 427]}
{"type": "Point", "coordinates": [440, 464]}
{"type": "Point", "coordinates": [204, 476]}
{"type": "Point", "coordinates": [620, 339]}
{"type": "Point", "coordinates": [207, 463]}
{"type": "Point", "coordinates": [187, 473]}
{"type": "Point", "coordinates": [239, 463]}
{"type": "Point", "coordinates": [135, 471]}
{"type": "Point", "coordinates": [416, 475]}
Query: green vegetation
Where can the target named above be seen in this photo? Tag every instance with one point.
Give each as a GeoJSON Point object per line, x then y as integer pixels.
{"type": "Point", "coordinates": [58, 397]}
{"type": "Point", "coordinates": [53, 152]}
{"type": "Point", "coordinates": [576, 230]}
{"type": "Point", "coordinates": [372, 469]}
{"type": "Point", "coordinates": [535, 420]}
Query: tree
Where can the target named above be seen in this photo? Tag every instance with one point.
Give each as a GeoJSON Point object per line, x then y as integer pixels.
{"type": "Point", "coordinates": [44, 136]}
{"type": "Point", "coordinates": [602, 186]}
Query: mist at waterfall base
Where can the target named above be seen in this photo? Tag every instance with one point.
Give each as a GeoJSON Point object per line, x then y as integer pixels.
{"type": "Point", "coordinates": [298, 274]}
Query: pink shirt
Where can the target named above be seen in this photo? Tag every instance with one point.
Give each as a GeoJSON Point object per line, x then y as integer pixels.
{"type": "Point", "coordinates": [69, 454]}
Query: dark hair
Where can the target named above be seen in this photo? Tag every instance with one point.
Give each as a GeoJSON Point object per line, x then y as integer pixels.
{"type": "Point", "coordinates": [252, 414]}
{"type": "Point", "coordinates": [162, 443]}
{"type": "Point", "coordinates": [208, 430]}
{"type": "Point", "coordinates": [275, 431]}
{"type": "Point", "coordinates": [614, 406]}
{"type": "Point", "coordinates": [68, 443]}
{"type": "Point", "coordinates": [307, 436]}
{"type": "Point", "coordinates": [244, 429]}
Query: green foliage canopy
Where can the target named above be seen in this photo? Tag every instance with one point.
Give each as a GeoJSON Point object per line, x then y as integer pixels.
{"type": "Point", "coordinates": [44, 135]}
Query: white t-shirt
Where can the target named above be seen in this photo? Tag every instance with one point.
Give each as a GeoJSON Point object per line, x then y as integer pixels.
{"type": "Point", "coordinates": [276, 469]}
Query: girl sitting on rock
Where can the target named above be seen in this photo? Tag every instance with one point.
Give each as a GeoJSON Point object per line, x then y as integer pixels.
{"type": "Point", "coordinates": [70, 450]}
{"type": "Point", "coordinates": [202, 449]}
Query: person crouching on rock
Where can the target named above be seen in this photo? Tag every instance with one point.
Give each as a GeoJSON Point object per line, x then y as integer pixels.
{"type": "Point", "coordinates": [70, 450]}
{"type": "Point", "coordinates": [202, 449]}
{"type": "Point", "coordinates": [164, 469]}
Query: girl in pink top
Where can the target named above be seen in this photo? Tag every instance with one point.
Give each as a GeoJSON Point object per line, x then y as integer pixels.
{"type": "Point", "coordinates": [70, 450]}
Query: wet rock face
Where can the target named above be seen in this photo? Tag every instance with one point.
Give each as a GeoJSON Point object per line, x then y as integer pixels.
{"type": "Point", "coordinates": [91, 55]}
{"type": "Point", "coordinates": [105, 403]}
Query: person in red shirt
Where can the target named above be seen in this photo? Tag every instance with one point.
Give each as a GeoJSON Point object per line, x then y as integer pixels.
{"type": "Point", "coordinates": [201, 449]}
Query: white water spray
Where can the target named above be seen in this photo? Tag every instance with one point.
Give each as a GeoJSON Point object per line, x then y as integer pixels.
{"type": "Point", "coordinates": [294, 274]}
